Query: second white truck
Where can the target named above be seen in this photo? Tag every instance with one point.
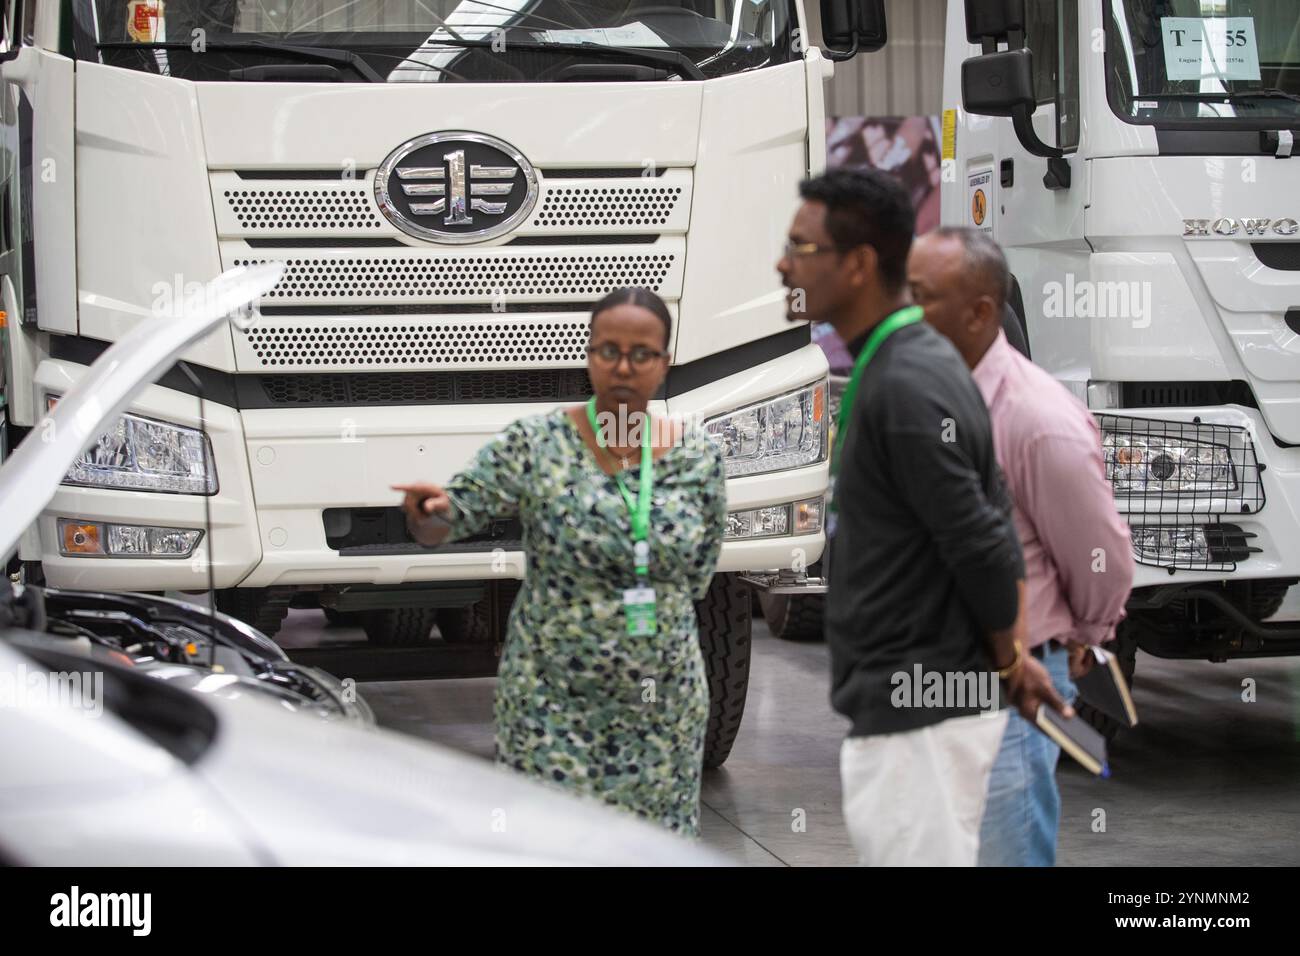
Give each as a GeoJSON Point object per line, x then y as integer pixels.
{"type": "Point", "coordinates": [1137, 160]}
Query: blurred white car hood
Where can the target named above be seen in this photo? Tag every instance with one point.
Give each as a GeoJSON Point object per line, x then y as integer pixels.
{"type": "Point", "coordinates": [274, 789]}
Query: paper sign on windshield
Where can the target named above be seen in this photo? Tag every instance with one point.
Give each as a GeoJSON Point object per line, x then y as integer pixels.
{"type": "Point", "coordinates": [1222, 48]}
{"type": "Point", "coordinates": [630, 34]}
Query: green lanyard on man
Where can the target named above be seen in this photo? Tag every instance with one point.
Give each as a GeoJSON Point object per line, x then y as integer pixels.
{"type": "Point", "coordinates": [638, 601]}
{"type": "Point", "coordinates": [891, 324]}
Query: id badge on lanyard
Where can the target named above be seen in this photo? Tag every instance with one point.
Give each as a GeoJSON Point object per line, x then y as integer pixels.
{"type": "Point", "coordinates": [638, 601]}
{"type": "Point", "coordinates": [639, 611]}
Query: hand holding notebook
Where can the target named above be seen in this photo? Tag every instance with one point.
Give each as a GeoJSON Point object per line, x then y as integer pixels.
{"type": "Point", "coordinates": [1105, 688]}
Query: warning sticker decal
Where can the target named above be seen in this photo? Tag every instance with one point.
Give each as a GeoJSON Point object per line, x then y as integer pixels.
{"type": "Point", "coordinates": [979, 186]}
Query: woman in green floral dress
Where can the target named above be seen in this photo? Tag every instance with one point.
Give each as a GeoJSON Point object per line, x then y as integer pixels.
{"type": "Point", "coordinates": [581, 701]}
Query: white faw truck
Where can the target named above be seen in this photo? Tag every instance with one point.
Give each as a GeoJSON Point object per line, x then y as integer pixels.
{"type": "Point", "coordinates": [451, 185]}
{"type": "Point", "coordinates": [1137, 161]}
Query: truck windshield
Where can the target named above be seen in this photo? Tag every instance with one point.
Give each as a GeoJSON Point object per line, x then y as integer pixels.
{"type": "Point", "coordinates": [1225, 63]}
{"type": "Point", "coordinates": [437, 41]}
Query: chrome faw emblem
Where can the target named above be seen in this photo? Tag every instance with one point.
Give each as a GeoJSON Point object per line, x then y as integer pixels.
{"type": "Point", "coordinates": [456, 187]}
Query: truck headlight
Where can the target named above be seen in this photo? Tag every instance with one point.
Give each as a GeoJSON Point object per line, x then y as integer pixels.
{"type": "Point", "coordinates": [1142, 463]}
{"type": "Point", "coordinates": [1159, 467]}
{"type": "Point", "coordinates": [143, 454]}
{"type": "Point", "coordinates": [780, 433]}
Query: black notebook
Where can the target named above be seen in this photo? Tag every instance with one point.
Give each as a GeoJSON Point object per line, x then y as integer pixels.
{"type": "Point", "coordinates": [1105, 688]}
{"type": "Point", "coordinates": [1075, 738]}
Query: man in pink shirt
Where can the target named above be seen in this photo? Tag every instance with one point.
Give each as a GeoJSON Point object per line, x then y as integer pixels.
{"type": "Point", "coordinates": [1077, 550]}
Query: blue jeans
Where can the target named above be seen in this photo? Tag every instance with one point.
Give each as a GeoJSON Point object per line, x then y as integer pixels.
{"type": "Point", "coordinates": [1023, 810]}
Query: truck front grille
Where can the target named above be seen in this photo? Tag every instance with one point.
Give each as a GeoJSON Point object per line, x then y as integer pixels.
{"type": "Point", "coordinates": [360, 295]}
{"type": "Point", "coordinates": [1284, 256]}
{"type": "Point", "coordinates": [635, 205]}
{"type": "Point", "coordinates": [413, 275]}
{"type": "Point", "coordinates": [413, 388]}
{"type": "Point", "coordinates": [578, 200]}
{"type": "Point", "coordinates": [414, 342]}
{"type": "Point", "coordinates": [317, 207]}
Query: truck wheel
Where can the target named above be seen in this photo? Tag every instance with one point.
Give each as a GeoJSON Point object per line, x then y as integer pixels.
{"type": "Point", "coordinates": [473, 624]}
{"type": "Point", "coordinates": [256, 607]}
{"type": "Point", "coordinates": [793, 617]}
{"type": "Point", "coordinates": [725, 624]}
{"type": "Point", "coordinates": [463, 625]}
{"type": "Point", "coordinates": [1125, 648]}
{"type": "Point", "coordinates": [399, 626]}
{"type": "Point", "coordinates": [1265, 598]}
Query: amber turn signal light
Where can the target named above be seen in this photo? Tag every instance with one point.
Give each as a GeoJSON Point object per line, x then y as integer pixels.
{"type": "Point", "coordinates": [81, 539]}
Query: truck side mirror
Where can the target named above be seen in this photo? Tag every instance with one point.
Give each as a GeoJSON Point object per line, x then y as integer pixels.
{"type": "Point", "coordinates": [996, 19]}
{"type": "Point", "coordinates": [859, 24]}
{"type": "Point", "coordinates": [1002, 84]}
{"type": "Point", "coordinates": [997, 84]}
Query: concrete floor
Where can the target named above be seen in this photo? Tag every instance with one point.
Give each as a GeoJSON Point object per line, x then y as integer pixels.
{"type": "Point", "coordinates": [1205, 779]}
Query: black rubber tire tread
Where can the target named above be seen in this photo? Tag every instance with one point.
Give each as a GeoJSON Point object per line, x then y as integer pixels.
{"type": "Point", "coordinates": [725, 625]}
{"type": "Point", "coordinates": [1266, 599]}
{"type": "Point", "coordinates": [252, 606]}
{"type": "Point", "coordinates": [793, 617]}
{"type": "Point", "coordinates": [463, 625]}
{"type": "Point", "coordinates": [473, 624]}
{"type": "Point", "coordinates": [399, 626]}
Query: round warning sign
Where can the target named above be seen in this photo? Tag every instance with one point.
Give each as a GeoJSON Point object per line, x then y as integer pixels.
{"type": "Point", "coordinates": [979, 190]}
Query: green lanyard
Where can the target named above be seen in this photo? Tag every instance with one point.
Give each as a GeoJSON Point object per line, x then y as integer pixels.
{"type": "Point", "coordinates": [638, 510]}
{"type": "Point", "coordinates": [891, 324]}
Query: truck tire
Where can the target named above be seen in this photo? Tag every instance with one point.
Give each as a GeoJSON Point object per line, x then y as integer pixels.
{"type": "Point", "coordinates": [473, 624]}
{"type": "Point", "coordinates": [399, 626]}
{"type": "Point", "coordinates": [1266, 598]}
{"type": "Point", "coordinates": [1125, 648]}
{"type": "Point", "coordinates": [254, 606]}
{"type": "Point", "coordinates": [725, 624]}
{"type": "Point", "coordinates": [463, 625]}
{"type": "Point", "coordinates": [793, 617]}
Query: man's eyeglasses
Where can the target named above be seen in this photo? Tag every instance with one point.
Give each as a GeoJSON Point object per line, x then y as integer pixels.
{"type": "Point", "coordinates": [792, 250]}
{"type": "Point", "coordinates": [610, 354]}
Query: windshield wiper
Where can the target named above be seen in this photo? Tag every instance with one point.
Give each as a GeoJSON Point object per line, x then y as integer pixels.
{"type": "Point", "coordinates": [1199, 97]}
{"type": "Point", "coordinates": [673, 58]}
{"type": "Point", "coordinates": [1267, 94]}
{"type": "Point", "coordinates": [318, 53]}
{"type": "Point", "coordinates": [1225, 96]}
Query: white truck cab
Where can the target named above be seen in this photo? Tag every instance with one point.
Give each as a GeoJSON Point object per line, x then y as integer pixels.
{"type": "Point", "coordinates": [1136, 161]}
{"type": "Point", "coordinates": [451, 185]}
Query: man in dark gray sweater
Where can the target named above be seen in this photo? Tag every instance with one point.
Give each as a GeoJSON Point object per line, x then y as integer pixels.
{"type": "Point", "coordinates": [926, 574]}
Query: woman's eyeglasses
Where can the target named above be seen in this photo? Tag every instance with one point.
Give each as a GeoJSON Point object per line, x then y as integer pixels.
{"type": "Point", "coordinates": [639, 355]}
